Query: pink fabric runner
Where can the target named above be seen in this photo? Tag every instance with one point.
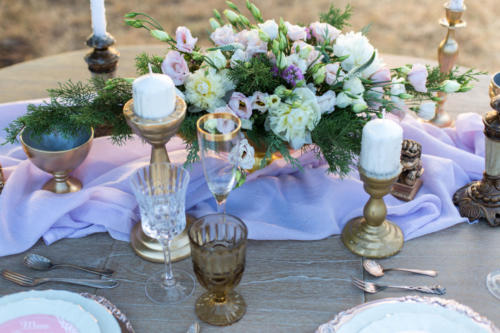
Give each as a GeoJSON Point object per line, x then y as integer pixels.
{"type": "Point", "coordinates": [278, 202]}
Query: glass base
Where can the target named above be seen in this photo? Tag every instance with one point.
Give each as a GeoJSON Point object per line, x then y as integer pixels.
{"type": "Point", "coordinates": [493, 283]}
{"type": "Point", "coordinates": [159, 293]}
{"type": "Point", "coordinates": [220, 313]}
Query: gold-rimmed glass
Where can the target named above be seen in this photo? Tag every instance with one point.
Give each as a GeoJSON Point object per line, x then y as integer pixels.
{"type": "Point", "coordinates": [218, 248]}
{"type": "Point", "coordinates": [219, 139]}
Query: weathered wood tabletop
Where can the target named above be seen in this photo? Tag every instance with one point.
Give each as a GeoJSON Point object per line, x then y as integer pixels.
{"type": "Point", "coordinates": [289, 286]}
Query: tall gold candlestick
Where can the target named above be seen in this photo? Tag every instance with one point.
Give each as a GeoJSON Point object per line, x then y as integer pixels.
{"type": "Point", "coordinates": [373, 236]}
{"type": "Point", "coordinates": [2, 179]}
{"type": "Point", "coordinates": [447, 57]}
{"type": "Point", "coordinates": [157, 132]}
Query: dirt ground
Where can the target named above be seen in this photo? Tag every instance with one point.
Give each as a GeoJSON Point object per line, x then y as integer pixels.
{"type": "Point", "coordinates": [36, 28]}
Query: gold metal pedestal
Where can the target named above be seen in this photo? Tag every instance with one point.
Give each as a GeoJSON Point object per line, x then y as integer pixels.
{"type": "Point", "coordinates": [373, 236]}
{"type": "Point", "coordinates": [157, 132]}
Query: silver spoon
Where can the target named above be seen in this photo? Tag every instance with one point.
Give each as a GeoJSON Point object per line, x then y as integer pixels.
{"type": "Point", "coordinates": [375, 269]}
{"type": "Point", "coordinates": [41, 263]}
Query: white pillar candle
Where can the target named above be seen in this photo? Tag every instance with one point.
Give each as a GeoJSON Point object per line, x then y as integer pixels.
{"type": "Point", "coordinates": [381, 149]}
{"type": "Point", "coordinates": [456, 5]}
{"type": "Point", "coordinates": [98, 17]}
{"type": "Point", "coordinates": [154, 96]}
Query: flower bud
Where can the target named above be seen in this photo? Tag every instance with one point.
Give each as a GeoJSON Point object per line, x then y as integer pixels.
{"type": "Point", "coordinates": [213, 23]}
{"type": "Point", "coordinates": [232, 6]}
{"type": "Point", "coordinates": [359, 105]}
{"type": "Point", "coordinates": [405, 69]}
{"type": "Point", "coordinates": [275, 47]}
{"type": "Point", "coordinates": [255, 12]}
{"type": "Point", "coordinates": [320, 74]}
{"type": "Point", "coordinates": [232, 16]}
{"type": "Point", "coordinates": [244, 20]}
{"type": "Point", "coordinates": [160, 35]}
{"type": "Point", "coordinates": [217, 15]}
{"type": "Point", "coordinates": [405, 96]}
{"type": "Point", "coordinates": [283, 41]}
{"type": "Point", "coordinates": [264, 37]}
{"type": "Point", "coordinates": [131, 15]}
{"type": "Point", "coordinates": [450, 86]}
{"type": "Point", "coordinates": [281, 61]}
{"type": "Point", "coordinates": [465, 88]}
{"type": "Point", "coordinates": [427, 110]}
{"type": "Point", "coordinates": [134, 23]}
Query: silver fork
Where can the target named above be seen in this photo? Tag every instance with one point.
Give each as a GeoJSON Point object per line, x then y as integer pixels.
{"type": "Point", "coordinates": [27, 281]}
{"type": "Point", "coordinates": [373, 288]}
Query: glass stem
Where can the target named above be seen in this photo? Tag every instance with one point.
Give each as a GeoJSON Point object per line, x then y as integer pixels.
{"type": "Point", "coordinates": [221, 206]}
{"type": "Point", "coordinates": [169, 275]}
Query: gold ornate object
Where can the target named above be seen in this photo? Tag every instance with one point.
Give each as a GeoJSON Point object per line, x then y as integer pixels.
{"type": "Point", "coordinates": [481, 199]}
{"type": "Point", "coordinates": [447, 57]}
{"type": "Point", "coordinates": [2, 179]}
{"type": "Point", "coordinates": [372, 235]}
{"type": "Point", "coordinates": [409, 181]}
{"type": "Point", "coordinates": [58, 155]}
{"type": "Point", "coordinates": [494, 85]}
{"type": "Point", "coordinates": [157, 132]}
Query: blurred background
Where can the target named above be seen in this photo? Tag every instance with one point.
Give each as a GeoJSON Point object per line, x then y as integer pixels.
{"type": "Point", "coordinates": [35, 28]}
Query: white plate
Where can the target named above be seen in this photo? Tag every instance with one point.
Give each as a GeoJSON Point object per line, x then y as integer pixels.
{"type": "Point", "coordinates": [409, 314]}
{"type": "Point", "coordinates": [45, 315]}
{"type": "Point", "coordinates": [107, 323]}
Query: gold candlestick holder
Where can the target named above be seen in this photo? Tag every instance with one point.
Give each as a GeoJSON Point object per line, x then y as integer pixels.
{"type": "Point", "coordinates": [447, 57]}
{"type": "Point", "coordinates": [157, 132]}
{"type": "Point", "coordinates": [372, 235]}
{"type": "Point", "coordinates": [103, 59]}
{"type": "Point", "coordinates": [481, 199]}
{"type": "Point", "coordinates": [2, 179]}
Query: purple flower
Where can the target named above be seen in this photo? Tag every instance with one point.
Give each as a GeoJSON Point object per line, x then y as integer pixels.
{"type": "Point", "coordinates": [292, 74]}
{"type": "Point", "coordinates": [275, 70]}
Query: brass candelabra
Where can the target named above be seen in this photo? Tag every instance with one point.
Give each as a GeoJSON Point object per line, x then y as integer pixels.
{"type": "Point", "coordinates": [157, 132]}
{"type": "Point", "coordinates": [447, 57]}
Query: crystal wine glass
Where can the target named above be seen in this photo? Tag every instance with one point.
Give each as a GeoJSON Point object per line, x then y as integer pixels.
{"type": "Point", "coordinates": [493, 283]}
{"type": "Point", "coordinates": [160, 189]}
{"type": "Point", "coordinates": [218, 248]}
{"type": "Point", "coordinates": [219, 139]}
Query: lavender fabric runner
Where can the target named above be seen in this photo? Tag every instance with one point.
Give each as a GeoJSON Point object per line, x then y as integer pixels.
{"type": "Point", "coordinates": [278, 202]}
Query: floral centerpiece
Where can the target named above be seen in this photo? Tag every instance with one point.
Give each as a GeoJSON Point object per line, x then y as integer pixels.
{"type": "Point", "coordinates": [303, 87]}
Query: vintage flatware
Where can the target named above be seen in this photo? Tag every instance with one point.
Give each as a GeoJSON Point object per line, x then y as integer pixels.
{"type": "Point", "coordinates": [376, 269]}
{"type": "Point", "coordinates": [27, 281]}
{"type": "Point", "coordinates": [194, 328]}
{"type": "Point", "coordinates": [373, 288]}
{"type": "Point", "coordinates": [41, 263]}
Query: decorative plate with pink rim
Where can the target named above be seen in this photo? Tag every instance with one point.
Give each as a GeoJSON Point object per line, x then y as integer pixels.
{"type": "Point", "coordinates": [409, 314]}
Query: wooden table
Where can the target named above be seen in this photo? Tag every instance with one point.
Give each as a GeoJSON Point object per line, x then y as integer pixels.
{"type": "Point", "coordinates": [289, 286]}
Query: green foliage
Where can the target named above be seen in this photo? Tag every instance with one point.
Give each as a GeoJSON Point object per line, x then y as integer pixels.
{"type": "Point", "coordinates": [187, 131]}
{"type": "Point", "coordinates": [74, 106]}
{"type": "Point", "coordinates": [338, 140]}
{"type": "Point", "coordinates": [336, 17]}
{"type": "Point", "coordinates": [142, 61]}
{"type": "Point", "coordinates": [255, 75]}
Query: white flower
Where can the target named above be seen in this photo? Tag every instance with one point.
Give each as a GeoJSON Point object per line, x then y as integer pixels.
{"type": "Point", "coordinates": [240, 105]}
{"type": "Point", "coordinates": [224, 125]}
{"type": "Point", "coordinates": [239, 55]}
{"type": "Point", "coordinates": [259, 101]}
{"type": "Point", "coordinates": [343, 100]}
{"type": "Point", "coordinates": [223, 35]}
{"type": "Point", "coordinates": [359, 104]}
{"type": "Point", "coordinates": [246, 152]}
{"type": "Point", "coordinates": [359, 50]}
{"type": "Point", "coordinates": [398, 88]}
{"type": "Point", "coordinates": [331, 73]}
{"type": "Point", "coordinates": [295, 59]}
{"type": "Point", "coordinates": [270, 27]}
{"type": "Point", "coordinates": [295, 32]}
{"type": "Point", "coordinates": [321, 30]}
{"type": "Point", "coordinates": [210, 125]}
{"type": "Point", "coordinates": [273, 101]}
{"type": "Point", "coordinates": [450, 86]}
{"type": "Point", "coordinates": [354, 86]}
{"type": "Point", "coordinates": [293, 121]}
{"type": "Point", "coordinates": [427, 110]}
{"type": "Point", "coordinates": [206, 88]}
{"type": "Point", "coordinates": [306, 52]}
{"type": "Point", "coordinates": [252, 42]}
{"type": "Point", "coordinates": [217, 58]}
{"type": "Point", "coordinates": [327, 102]}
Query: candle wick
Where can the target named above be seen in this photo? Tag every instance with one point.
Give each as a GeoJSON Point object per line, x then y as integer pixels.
{"type": "Point", "coordinates": [150, 69]}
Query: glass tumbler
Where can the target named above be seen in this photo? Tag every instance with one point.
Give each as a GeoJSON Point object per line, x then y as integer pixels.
{"type": "Point", "coordinates": [218, 249]}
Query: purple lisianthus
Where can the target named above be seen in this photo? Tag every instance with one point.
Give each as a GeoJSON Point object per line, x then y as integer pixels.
{"type": "Point", "coordinates": [275, 71]}
{"type": "Point", "coordinates": [292, 74]}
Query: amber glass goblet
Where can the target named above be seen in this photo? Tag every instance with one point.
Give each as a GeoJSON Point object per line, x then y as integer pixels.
{"type": "Point", "coordinates": [218, 248]}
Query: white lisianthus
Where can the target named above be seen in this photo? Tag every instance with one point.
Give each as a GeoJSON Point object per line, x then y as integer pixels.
{"type": "Point", "coordinates": [270, 27]}
{"type": "Point", "coordinates": [239, 55]}
{"type": "Point", "coordinates": [223, 35]}
{"type": "Point", "coordinates": [295, 32]}
{"type": "Point", "coordinates": [293, 121]}
{"type": "Point", "coordinates": [354, 86]}
{"type": "Point", "coordinates": [358, 48]}
{"type": "Point", "coordinates": [427, 110]}
{"type": "Point", "coordinates": [217, 58]}
{"type": "Point", "coordinates": [245, 154]}
{"type": "Point", "coordinates": [307, 52]}
{"type": "Point", "coordinates": [324, 31]}
{"type": "Point", "coordinates": [259, 101]}
{"type": "Point", "coordinates": [206, 89]}
{"type": "Point", "coordinates": [250, 39]}
{"type": "Point", "coordinates": [450, 86]}
{"type": "Point", "coordinates": [273, 101]}
{"type": "Point", "coordinates": [343, 101]}
{"type": "Point", "coordinates": [359, 104]}
{"type": "Point", "coordinates": [327, 102]}
{"type": "Point", "coordinates": [398, 88]}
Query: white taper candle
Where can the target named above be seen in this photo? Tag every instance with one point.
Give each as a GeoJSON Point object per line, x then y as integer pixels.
{"type": "Point", "coordinates": [98, 12]}
{"type": "Point", "coordinates": [456, 5]}
{"type": "Point", "coordinates": [381, 149]}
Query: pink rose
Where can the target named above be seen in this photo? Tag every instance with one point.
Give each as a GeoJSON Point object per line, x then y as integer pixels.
{"type": "Point", "coordinates": [295, 32]}
{"type": "Point", "coordinates": [331, 73]}
{"type": "Point", "coordinates": [176, 67]}
{"type": "Point", "coordinates": [240, 105]}
{"type": "Point", "coordinates": [223, 35]}
{"type": "Point", "coordinates": [185, 41]}
{"type": "Point", "coordinates": [383, 75]}
{"type": "Point", "coordinates": [418, 77]}
{"type": "Point", "coordinates": [321, 30]}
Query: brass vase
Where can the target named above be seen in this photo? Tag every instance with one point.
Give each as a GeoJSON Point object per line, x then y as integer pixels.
{"type": "Point", "coordinates": [157, 132]}
{"type": "Point", "coordinates": [372, 235]}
